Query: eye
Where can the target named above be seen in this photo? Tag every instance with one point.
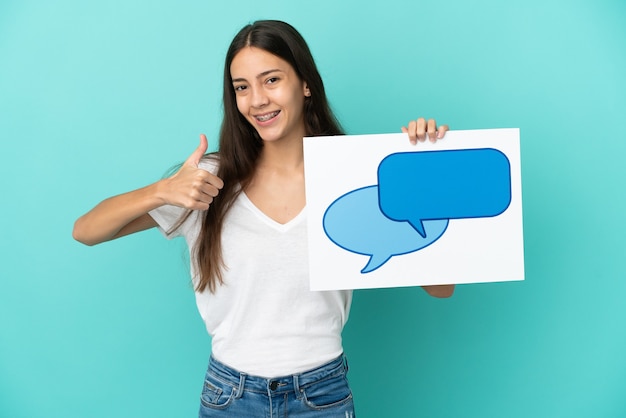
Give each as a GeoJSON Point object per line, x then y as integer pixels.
{"type": "Point", "coordinates": [239, 88]}
{"type": "Point", "coordinates": [272, 80]}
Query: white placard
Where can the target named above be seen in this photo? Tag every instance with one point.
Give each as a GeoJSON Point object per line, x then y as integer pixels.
{"type": "Point", "coordinates": [385, 213]}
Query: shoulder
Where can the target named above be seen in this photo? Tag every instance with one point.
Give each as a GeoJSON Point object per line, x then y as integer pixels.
{"type": "Point", "coordinates": [210, 163]}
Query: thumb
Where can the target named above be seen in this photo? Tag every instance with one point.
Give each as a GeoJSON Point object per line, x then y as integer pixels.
{"type": "Point", "coordinates": [195, 157]}
{"type": "Point", "coordinates": [404, 129]}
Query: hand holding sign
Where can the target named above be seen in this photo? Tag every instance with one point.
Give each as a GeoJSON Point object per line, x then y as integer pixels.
{"type": "Point", "coordinates": [441, 213]}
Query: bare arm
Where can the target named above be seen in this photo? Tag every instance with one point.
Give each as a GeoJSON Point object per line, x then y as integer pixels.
{"type": "Point", "coordinates": [118, 216]}
{"type": "Point", "coordinates": [440, 291]}
{"type": "Point", "coordinates": [190, 188]}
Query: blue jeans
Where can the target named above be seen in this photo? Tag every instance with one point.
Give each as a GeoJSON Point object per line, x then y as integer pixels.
{"type": "Point", "coordinates": [318, 393]}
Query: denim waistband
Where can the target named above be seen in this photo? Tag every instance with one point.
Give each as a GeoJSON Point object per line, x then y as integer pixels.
{"type": "Point", "coordinates": [276, 385]}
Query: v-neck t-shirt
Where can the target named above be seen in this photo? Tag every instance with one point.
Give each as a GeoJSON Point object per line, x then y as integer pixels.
{"type": "Point", "coordinates": [264, 320]}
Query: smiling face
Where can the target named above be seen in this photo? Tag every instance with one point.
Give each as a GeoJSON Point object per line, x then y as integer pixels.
{"type": "Point", "coordinates": [269, 94]}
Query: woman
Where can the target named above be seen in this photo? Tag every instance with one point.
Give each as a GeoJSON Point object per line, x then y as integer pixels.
{"type": "Point", "coordinates": [276, 346]}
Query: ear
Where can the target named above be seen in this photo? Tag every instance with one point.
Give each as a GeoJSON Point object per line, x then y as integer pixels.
{"type": "Point", "coordinates": [307, 92]}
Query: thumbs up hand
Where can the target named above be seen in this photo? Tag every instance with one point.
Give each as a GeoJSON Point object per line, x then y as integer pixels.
{"type": "Point", "coordinates": [192, 187]}
{"type": "Point", "coordinates": [196, 156]}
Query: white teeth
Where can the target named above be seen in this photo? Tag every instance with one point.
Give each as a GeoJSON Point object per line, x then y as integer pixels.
{"type": "Point", "coordinates": [264, 118]}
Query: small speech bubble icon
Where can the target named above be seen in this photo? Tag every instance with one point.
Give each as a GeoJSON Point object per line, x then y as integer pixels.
{"type": "Point", "coordinates": [355, 223]}
{"type": "Point", "coordinates": [420, 186]}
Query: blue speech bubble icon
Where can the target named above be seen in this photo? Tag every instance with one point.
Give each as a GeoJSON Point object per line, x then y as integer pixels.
{"type": "Point", "coordinates": [420, 186]}
{"type": "Point", "coordinates": [355, 223]}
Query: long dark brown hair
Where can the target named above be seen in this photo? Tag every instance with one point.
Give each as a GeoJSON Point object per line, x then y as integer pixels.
{"type": "Point", "coordinates": [240, 145]}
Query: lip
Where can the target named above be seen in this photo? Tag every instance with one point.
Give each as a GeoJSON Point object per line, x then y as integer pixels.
{"type": "Point", "coordinates": [265, 114]}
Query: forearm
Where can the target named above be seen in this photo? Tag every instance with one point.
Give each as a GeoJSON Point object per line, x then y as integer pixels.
{"type": "Point", "coordinates": [440, 291]}
{"type": "Point", "coordinates": [118, 215]}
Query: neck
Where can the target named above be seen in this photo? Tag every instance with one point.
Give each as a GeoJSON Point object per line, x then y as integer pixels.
{"type": "Point", "coordinates": [282, 156]}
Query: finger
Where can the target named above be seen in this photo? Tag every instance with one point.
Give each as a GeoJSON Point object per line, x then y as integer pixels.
{"type": "Point", "coordinates": [210, 180]}
{"type": "Point", "coordinates": [196, 156]}
{"type": "Point", "coordinates": [421, 129]}
{"type": "Point", "coordinates": [411, 131]}
{"type": "Point", "coordinates": [432, 130]}
{"type": "Point", "coordinates": [202, 197]}
{"type": "Point", "coordinates": [201, 204]}
{"type": "Point", "coordinates": [210, 190]}
{"type": "Point", "coordinates": [205, 186]}
{"type": "Point", "coordinates": [196, 199]}
{"type": "Point", "coordinates": [441, 132]}
{"type": "Point", "coordinates": [406, 131]}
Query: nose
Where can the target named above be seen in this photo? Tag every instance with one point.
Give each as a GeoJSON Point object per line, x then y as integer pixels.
{"type": "Point", "coordinates": [259, 98]}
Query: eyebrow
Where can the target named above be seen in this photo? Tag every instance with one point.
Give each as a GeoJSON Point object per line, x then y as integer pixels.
{"type": "Point", "coordinates": [261, 75]}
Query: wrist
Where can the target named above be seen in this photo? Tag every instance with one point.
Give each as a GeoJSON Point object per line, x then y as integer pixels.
{"type": "Point", "coordinates": [159, 192]}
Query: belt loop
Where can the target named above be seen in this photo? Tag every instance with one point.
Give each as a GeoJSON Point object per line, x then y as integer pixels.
{"type": "Point", "coordinates": [345, 363]}
{"type": "Point", "coordinates": [296, 387]}
{"type": "Point", "coordinates": [242, 382]}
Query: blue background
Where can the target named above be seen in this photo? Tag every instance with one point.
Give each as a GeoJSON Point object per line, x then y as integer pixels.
{"type": "Point", "coordinates": [97, 98]}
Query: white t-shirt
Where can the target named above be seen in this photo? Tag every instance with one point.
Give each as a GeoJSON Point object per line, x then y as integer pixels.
{"type": "Point", "coordinates": [264, 320]}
